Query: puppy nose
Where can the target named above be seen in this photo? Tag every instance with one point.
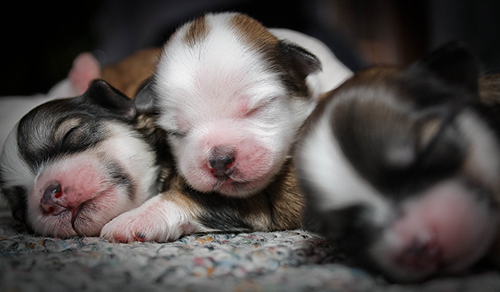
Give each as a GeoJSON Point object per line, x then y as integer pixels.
{"type": "Point", "coordinates": [52, 201]}
{"type": "Point", "coordinates": [221, 161]}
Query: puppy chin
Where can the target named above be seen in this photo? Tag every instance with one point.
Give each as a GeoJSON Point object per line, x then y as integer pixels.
{"type": "Point", "coordinates": [230, 187]}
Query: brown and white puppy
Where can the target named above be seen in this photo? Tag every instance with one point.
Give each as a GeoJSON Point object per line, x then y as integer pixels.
{"type": "Point", "coordinates": [232, 97]}
{"type": "Point", "coordinates": [71, 165]}
{"type": "Point", "coordinates": [401, 167]}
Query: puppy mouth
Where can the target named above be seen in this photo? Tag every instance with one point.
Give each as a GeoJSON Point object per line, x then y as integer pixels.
{"type": "Point", "coordinates": [228, 181]}
{"type": "Point", "coordinates": [75, 214]}
{"type": "Point", "coordinates": [232, 186]}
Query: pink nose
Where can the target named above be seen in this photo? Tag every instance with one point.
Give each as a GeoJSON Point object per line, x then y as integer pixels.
{"type": "Point", "coordinates": [53, 200]}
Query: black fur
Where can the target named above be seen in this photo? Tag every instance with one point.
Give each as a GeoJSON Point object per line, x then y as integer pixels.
{"type": "Point", "coordinates": [38, 144]}
{"type": "Point", "coordinates": [382, 107]}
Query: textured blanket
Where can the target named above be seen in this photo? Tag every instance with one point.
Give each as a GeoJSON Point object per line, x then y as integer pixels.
{"type": "Point", "coordinates": [277, 261]}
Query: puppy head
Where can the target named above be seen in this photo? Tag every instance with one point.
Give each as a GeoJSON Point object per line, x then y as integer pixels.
{"type": "Point", "coordinates": [401, 168]}
{"type": "Point", "coordinates": [232, 98]}
{"type": "Point", "coordinates": [71, 165]}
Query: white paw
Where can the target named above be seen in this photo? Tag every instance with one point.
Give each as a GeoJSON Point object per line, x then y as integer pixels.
{"type": "Point", "coordinates": [156, 220]}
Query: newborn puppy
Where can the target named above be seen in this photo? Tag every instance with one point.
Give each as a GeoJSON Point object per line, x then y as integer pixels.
{"type": "Point", "coordinates": [401, 167]}
{"type": "Point", "coordinates": [232, 97]}
{"type": "Point", "coordinates": [71, 165]}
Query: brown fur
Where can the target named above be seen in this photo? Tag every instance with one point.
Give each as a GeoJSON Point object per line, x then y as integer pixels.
{"type": "Point", "coordinates": [279, 206]}
{"type": "Point", "coordinates": [129, 74]}
{"type": "Point", "coordinates": [197, 31]}
{"type": "Point", "coordinates": [253, 32]}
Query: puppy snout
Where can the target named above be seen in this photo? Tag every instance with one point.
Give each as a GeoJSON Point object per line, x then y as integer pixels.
{"type": "Point", "coordinates": [52, 201]}
{"type": "Point", "coordinates": [221, 161]}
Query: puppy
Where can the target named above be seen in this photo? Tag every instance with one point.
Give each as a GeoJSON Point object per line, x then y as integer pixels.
{"type": "Point", "coordinates": [232, 97]}
{"type": "Point", "coordinates": [127, 76]}
{"type": "Point", "coordinates": [400, 167]}
{"type": "Point", "coordinates": [71, 165]}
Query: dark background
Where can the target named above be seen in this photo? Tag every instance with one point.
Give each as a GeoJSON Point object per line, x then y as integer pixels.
{"type": "Point", "coordinates": [40, 40]}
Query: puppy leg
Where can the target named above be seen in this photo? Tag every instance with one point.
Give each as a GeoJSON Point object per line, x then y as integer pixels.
{"type": "Point", "coordinates": [162, 218]}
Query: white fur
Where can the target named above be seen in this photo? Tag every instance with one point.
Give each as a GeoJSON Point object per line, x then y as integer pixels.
{"type": "Point", "coordinates": [136, 156]}
{"type": "Point", "coordinates": [469, 232]}
{"type": "Point", "coordinates": [221, 92]}
{"type": "Point", "coordinates": [15, 170]}
{"type": "Point", "coordinates": [156, 220]}
{"type": "Point", "coordinates": [338, 185]}
{"type": "Point", "coordinates": [13, 108]}
{"type": "Point", "coordinates": [337, 182]}
{"type": "Point", "coordinates": [123, 147]}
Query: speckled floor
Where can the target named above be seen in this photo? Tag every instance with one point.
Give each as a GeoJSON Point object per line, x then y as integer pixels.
{"type": "Point", "coordinates": [279, 261]}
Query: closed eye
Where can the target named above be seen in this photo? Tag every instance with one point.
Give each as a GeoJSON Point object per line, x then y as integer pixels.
{"type": "Point", "coordinates": [176, 134]}
{"type": "Point", "coordinates": [260, 106]}
{"type": "Point", "coordinates": [66, 128]}
{"type": "Point", "coordinates": [68, 136]}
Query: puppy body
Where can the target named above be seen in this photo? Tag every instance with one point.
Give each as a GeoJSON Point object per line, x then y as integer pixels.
{"type": "Point", "coordinates": [71, 165]}
{"type": "Point", "coordinates": [401, 167]}
{"type": "Point", "coordinates": [232, 98]}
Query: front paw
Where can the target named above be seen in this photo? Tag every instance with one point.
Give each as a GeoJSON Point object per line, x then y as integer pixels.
{"type": "Point", "coordinates": [156, 220]}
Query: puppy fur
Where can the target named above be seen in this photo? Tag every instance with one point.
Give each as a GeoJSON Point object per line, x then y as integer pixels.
{"type": "Point", "coordinates": [71, 165]}
{"type": "Point", "coordinates": [232, 98]}
{"type": "Point", "coordinates": [400, 167]}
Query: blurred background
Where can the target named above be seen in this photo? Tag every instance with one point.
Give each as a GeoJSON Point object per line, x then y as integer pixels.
{"type": "Point", "coordinates": [40, 40]}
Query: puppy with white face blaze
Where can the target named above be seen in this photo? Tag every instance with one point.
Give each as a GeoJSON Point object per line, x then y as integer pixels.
{"type": "Point", "coordinates": [400, 167]}
{"type": "Point", "coordinates": [232, 98]}
{"type": "Point", "coordinates": [71, 165]}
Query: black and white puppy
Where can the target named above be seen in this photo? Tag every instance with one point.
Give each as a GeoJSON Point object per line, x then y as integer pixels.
{"type": "Point", "coordinates": [401, 167]}
{"type": "Point", "coordinates": [232, 96]}
{"type": "Point", "coordinates": [71, 165]}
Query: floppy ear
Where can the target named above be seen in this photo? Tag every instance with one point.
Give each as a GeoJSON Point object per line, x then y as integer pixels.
{"type": "Point", "coordinates": [453, 63]}
{"type": "Point", "coordinates": [144, 99]}
{"type": "Point", "coordinates": [103, 94]}
{"type": "Point", "coordinates": [301, 61]}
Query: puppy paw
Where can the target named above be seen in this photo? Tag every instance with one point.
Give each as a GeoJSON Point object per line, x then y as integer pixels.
{"type": "Point", "coordinates": [156, 220]}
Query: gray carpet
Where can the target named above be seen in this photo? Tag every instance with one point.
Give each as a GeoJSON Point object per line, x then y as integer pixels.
{"type": "Point", "coordinates": [279, 261]}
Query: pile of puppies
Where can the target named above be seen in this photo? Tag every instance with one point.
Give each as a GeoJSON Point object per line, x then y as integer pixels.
{"type": "Point", "coordinates": [396, 166]}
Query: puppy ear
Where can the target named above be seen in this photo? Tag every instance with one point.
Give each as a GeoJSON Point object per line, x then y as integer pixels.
{"type": "Point", "coordinates": [454, 63]}
{"type": "Point", "coordinates": [144, 99]}
{"type": "Point", "coordinates": [103, 94]}
{"type": "Point", "coordinates": [299, 59]}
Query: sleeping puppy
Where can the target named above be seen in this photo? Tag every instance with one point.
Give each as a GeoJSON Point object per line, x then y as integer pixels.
{"type": "Point", "coordinates": [71, 165]}
{"type": "Point", "coordinates": [232, 97]}
{"type": "Point", "coordinates": [127, 76]}
{"type": "Point", "coordinates": [401, 167]}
